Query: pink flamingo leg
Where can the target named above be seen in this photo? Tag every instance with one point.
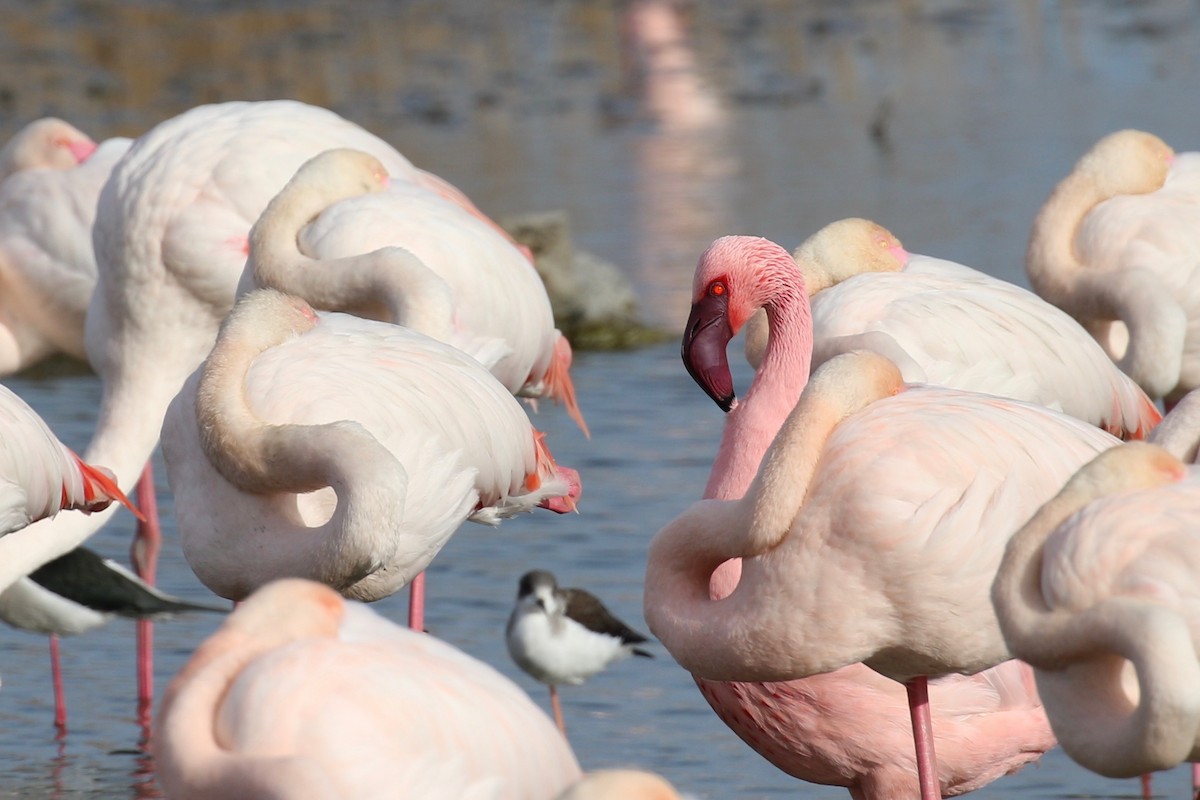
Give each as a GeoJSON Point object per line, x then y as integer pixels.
{"type": "Point", "coordinates": [144, 557]}
{"type": "Point", "coordinates": [416, 603]}
{"type": "Point", "coordinates": [558, 715]}
{"type": "Point", "coordinates": [60, 696]}
{"type": "Point", "coordinates": [1147, 789]}
{"type": "Point", "coordinates": [1195, 781]}
{"type": "Point", "coordinates": [918, 704]}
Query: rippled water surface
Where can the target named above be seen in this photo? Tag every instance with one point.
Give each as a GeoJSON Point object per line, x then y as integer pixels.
{"type": "Point", "coordinates": [949, 122]}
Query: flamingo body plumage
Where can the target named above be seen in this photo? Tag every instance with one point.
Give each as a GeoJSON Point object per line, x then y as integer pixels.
{"type": "Point", "coordinates": [418, 432]}
{"type": "Point", "coordinates": [1115, 246]}
{"type": "Point", "coordinates": [1098, 593]}
{"type": "Point", "coordinates": [170, 243]}
{"type": "Point", "coordinates": [47, 266]}
{"type": "Point", "coordinates": [302, 694]}
{"type": "Point", "coordinates": [341, 215]}
{"type": "Point", "coordinates": [39, 475]}
{"type": "Point", "coordinates": [849, 727]}
{"type": "Point", "coordinates": [947, 324]}
{"type": "Point", "coordinates": [929, 481]}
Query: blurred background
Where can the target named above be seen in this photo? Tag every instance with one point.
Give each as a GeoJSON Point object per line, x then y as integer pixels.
{"type": "Point", "coordinates": [660, 125]}
{"type": "Point", "coordinates": [657, 126]}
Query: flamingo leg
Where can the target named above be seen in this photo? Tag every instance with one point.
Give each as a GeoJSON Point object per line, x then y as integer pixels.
{"type": "Point", "coordinates": [416, 603]}
{"type": "Point", "coordinates": [1195, 781]}
{"type": "Point", "coordinates": [918, 705]}
{"type": "Point", "coordinates": [558, 715]}
{"type": "Point", "coordinates": [1147, 788]}
{"type": "Point", "coordinates": [60, 696]}
{"type": "Point", "coordinates": [144, 557]}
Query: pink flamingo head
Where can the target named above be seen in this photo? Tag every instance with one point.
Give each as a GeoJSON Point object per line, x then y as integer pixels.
{"type": "Point", "coordinates": [734, 278]}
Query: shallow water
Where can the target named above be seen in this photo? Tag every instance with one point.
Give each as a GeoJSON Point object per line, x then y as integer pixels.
{"type": "Point", "coordinates": [949, 122]}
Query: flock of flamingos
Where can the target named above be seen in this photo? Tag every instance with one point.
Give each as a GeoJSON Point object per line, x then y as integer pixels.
{"type": "Point", "coordinates": [925, 481]}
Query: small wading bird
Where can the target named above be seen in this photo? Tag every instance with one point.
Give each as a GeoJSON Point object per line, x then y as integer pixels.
{"type": "Point", "coordinates": [79, 591]}
{"type": "Point", "coordinates": [565, 635]}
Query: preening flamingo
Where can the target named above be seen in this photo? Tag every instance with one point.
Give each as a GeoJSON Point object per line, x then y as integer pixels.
{"type": "Point", "coordinates": [40, 476]}
{"type": "Point", "coordinates": [1098, 593]}
{"type": "Point", "coordinates": [1116, 246]}
{"type": "Point", "coordinates": [849, 727]}
{"type": "Point", "coordinates": [302, 694]}
{"type": "Point", "coordinates": [565, 635]}
{"type": "Point", "coordinates": [46, 143]}
{"type": "Point", "coordinates": [47, 264]}
{"type": "Point", "coordinates": [170, 244]}
{"type": "Point", "coordinates": [345, 238]}
{"type": "Point", "coordinates": [342, 450]}
{"type": "Point", "coordinates": [950, 325]}
{"type": "Point", "coordinates": [79, 591]}
{"type": "Point", "coordinates": [725, 300]}
{"type": "Point", "coordinates": [896, 577]}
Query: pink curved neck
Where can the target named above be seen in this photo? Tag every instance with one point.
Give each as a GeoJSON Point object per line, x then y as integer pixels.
{"type": "Point", "coordinates": [752, 424]}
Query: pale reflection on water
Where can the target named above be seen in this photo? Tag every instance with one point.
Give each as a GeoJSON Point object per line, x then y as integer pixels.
{"type": "Point", "coordinates": [659, 130]}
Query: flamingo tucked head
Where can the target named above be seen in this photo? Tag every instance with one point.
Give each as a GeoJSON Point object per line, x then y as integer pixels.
{"type": "Point", "coordinates": [735, 277]}
{"type": "Point", "coordinates": [1127, 162]}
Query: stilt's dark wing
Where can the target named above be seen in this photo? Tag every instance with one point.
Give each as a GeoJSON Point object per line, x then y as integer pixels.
{"type": "Point", "coordinates": [588, 611]}
{"type": "Point", "coordinates": [102, 585]}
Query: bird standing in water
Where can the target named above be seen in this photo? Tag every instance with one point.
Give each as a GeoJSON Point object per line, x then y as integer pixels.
{"type": "Point", "coordinates": [79, 591]}
{"type": "Point", "coordinates": [562, 635]}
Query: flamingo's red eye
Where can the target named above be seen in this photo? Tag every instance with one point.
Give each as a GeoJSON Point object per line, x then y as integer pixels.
{"type": "Point", "coordinates": [717, 289]}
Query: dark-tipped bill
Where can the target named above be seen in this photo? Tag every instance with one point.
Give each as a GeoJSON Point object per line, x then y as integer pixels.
{"type": "Point", "coordinates": [705, 340]}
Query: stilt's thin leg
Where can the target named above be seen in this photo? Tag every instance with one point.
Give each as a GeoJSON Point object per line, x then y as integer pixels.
{"type": "Point", "coordinates": [918, 706]}
{"type": "Point", "coordinates": [1195, 781]}
{"type": "Point", "coordinates": [144, 557]}
{"type": "Point", "coordinates": [558, 715]}
{"type": "Point", "coordinates": [60, 696]}
{"type": "Point", "coordinates": [1147, 788]}
{"type": "Point", "coordinates": [416, 603]}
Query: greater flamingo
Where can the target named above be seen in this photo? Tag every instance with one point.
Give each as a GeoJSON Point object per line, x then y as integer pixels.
{"type": "Point", "coordinates": [1115, 246]}
{"type": "Point", "coordinates": [342, 450]}
{"type": "Point", "coordinates": [1098, 593]}
{"type": "Point", "coordinates": [46, 143]}
{"type": "Point", "coordinates": [170, 243]}
{"type": "Point", "coordinates": [565, 635]}
{"type": "Point", "coordinates": [40, 476]}
{"type": "Point", "coordinates": [896, 577]}
{"type": "Point", "coordinates": [849, 727]}
{"type": "Point", "coordinates": [950, 325]}
{"type": "Point", "coordinates": [73, 594]}
{"type": "Point", "coordinates": [345, 238]}
{"type": "Point", "coordinates": [47, 264]}
{"type": "Point", "coordinates": [795, 725]}
{"type": "Point", "coordinates": [302, 694]}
